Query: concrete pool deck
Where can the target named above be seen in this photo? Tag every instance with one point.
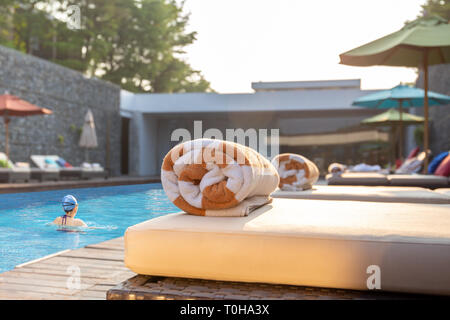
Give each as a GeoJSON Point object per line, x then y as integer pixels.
{"type": "Point", "coordinates": [73, 184]}
{"type": "Point", "coordinates": [99, 266]}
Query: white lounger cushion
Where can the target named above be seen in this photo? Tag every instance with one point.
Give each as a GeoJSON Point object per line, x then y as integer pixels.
{"type": "Point", "coordinates": [302, 242]}
{"type": "Point", "coordinates": [362, 193]}
{"type": "Point", "coordinates": [39, 161]}
{"type": "Point", "coordinates": [357, 178]}
{"type": "Point", "coordinates": [444, 191]}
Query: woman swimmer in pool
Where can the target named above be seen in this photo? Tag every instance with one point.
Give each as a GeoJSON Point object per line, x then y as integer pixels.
{"type": "Point", "coordinates": [70, 206]}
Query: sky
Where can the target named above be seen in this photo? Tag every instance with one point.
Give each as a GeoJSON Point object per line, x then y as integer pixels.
{"type": "Point", "coordinates": [244, 41]}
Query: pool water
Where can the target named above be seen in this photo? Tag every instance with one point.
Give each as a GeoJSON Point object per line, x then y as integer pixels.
{"type": "Point", "coordinates": [26, 232]}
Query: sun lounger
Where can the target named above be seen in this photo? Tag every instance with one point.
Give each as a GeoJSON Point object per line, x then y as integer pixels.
{"type": "Point", "coordinates": [358, 178]}
{"type": "Point", "coordinates": [90, 171]}
{"type": "Point", "coordinates": [333, 244]}
{"type": "Point", "coordinates": [443, 191]}
{"type": "Point", "coordinates": [420, 180]}
{"type": "Point", "coordinates": [363, 193]}
{"type": "Point", "coordinates": [14, 173]}
{"type": "Point", "coordinates": [67, 172]}
{"type": "Point", "coordinates": [44, 172]}
{"type": "Point", "coordinates": [8, 175]}
{"type": "Point", "coordinates": [377, 179]}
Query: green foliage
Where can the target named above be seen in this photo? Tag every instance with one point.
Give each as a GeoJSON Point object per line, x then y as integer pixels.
{"type": "Point", "coordinates": [437, 7]}
{"type": "Point", "coordinates": [4, 164]}
{"type": "Point", "coordinates": [61, 139]}
{"type": "Point", "coordinates": [136, 44]}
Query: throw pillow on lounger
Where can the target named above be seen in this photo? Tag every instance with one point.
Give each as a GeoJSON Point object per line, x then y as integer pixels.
{"type": "Point", "coordinates": [444, 168]}
{"type": "Point", "coordinates": [412, 165]}
{"type": "Point", "coordinates": [434, 164]}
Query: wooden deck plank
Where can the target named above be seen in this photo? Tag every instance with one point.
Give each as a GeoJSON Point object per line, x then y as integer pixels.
{"type": "Point", "coordinates": [64, 268]}
{"type": "Point", "coordinates": [98, 254]}
{"type": "Point", "coordinates": [96, 274]}
{"type": "Point", "coordinates": [101, 268]}
{"type": "Point", "coordinates": [57, 277]}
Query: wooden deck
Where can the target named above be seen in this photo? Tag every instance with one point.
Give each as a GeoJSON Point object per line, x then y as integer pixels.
{"type": "Point", "coordinates": [53, 277]}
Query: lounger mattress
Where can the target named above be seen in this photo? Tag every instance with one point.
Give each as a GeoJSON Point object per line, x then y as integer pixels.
{"type": "Point", "coordinates": [302, 242]}
{"type": "Point", "coordinates": [444, 191]}
{"type": "Point", "coordinates": [363, 193]}
{"type": "Point", "coordinates": [358, 178]}
{"type": "Point", "coordinates": [420, 180]}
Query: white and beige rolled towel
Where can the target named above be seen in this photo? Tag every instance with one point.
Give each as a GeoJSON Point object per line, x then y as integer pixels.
{"type": "Point", "coordinates": [296, 172]}
{"type": "Point", "coordinates": [217, 178]}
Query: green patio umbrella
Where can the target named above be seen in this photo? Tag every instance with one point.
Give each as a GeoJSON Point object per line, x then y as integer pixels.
{"type": "Point", "coordinates": [399, 97]}
{"type": "Point", "coordinates": [420, 43]}
{"type": "Point", "coordinates": [393, 118]}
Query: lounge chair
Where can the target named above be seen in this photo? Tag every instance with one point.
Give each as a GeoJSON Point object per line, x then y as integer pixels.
{"type": "Point", "coordinates": [420, 180]}
{"type": "Point", "coordinates": [44, 172]}
{"type": "Point", "coordinates": [444, 191]}
{"type": "Point", "coordinates": [364, 193]}
{"type": "Point", "coordinates": [333, 244]}
{"type": "Point", "coordinates": [14, 173]}
{"type": "Point", "coordinates": [377, 179]}
{"type": "Point", "coordinates": [67, 172]}
{"type": "Point", "coordinates": [357, 179]}
{"type": "Point", "coordinates": [93, 171]}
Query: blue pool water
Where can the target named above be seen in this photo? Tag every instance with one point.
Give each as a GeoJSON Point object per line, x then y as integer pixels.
{"type": "Point", "coordinates": [25, 232]}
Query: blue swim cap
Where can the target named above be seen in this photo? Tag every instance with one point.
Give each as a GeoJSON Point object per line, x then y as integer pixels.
{"type": "Point", "coordinates": [69, 203]}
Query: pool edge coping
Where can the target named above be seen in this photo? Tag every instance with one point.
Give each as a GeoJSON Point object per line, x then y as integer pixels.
{"type": "Point", "coordinates": [40, 259]}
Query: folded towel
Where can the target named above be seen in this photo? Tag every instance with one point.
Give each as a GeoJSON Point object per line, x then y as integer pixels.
{"type": "Point", "coordinates": [217, 178]}
{"type": "Point", "coordinates": [363, 167]}
{"type": "Point", "coordinates": [296, 172]}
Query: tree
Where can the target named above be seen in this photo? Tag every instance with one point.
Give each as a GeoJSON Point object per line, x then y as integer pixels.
{"type": "Point", "coordinates": [137, 44]}
{"type": "Point", "coordinates": [437, 7]}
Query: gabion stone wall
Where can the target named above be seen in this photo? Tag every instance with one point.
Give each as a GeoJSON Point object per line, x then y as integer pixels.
{"type": "Point", "coordinates": [438, 81]}
{"type": "Point", "coordinates": [69, 94]}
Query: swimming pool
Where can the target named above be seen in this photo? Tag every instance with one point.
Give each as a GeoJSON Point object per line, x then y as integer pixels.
{"type": "Point", "coordinates": [25, 232]}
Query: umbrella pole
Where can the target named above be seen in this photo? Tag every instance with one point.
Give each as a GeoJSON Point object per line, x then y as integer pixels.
{"type": "Point", "coordinates": [401, 129]}
{"type": "Point", "coordinates": [392, 151]}
{"type": "Point", "coordinates": [6, 119]}
{"type": "Point", "coordinates": [425, 106]}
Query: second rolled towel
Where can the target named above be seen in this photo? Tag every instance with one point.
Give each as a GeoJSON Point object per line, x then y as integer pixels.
{"type": "Point", "coordinates": [296, 172]}
{"type": "Point", "coordinates": [217, 178]}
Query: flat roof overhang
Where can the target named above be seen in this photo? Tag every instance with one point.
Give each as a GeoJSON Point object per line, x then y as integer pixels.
{"type": "Point", "coordinates": [323, 113]}
{"type": "Point", "coordinates": [337, 138]}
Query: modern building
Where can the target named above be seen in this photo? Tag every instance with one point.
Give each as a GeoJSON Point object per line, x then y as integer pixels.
{"type": "Point", "coordinates": [314, 118]}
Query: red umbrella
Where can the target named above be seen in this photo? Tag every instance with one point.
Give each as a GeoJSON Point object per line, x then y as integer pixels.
{"type": "Point", "coordinates": [14, 106]}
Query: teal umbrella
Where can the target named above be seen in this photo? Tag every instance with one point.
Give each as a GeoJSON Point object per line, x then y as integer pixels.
{"type": "Point", "coordinates": [393, 118]}
{"type": "Point", "coordinates": [399, 97]}
{"type": "Point", "coordinates": [420, 43]}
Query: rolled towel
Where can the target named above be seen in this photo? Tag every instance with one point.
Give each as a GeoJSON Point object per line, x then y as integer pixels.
{"type": "Point", "coordinates": [296, 172]}
{"type": "Point", "coordinates": [217, 178]}
{"type": "Point", "coordinates": [337, 168]}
